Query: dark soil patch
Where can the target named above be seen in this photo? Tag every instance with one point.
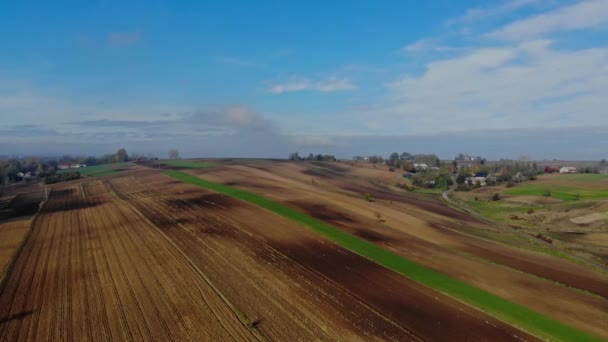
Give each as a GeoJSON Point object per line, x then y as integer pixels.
{"type": "Point", "coordinates": [429, 314]}
{"type": "Point", "coordinates": [246, 184]}
{"type": "Point", "coordinates": [317, 174]}
{"type": "Point", "coordinates": [371, 235]}
{"type": "Point", "coordinates": [72, 203]}
{"type": "Point", "coordinates": [322, 212]}
{"type": "Point", "coordinates": [205, 201]}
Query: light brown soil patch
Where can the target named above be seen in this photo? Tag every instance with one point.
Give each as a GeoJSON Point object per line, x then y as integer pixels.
{"type": "Point", "coordinates": [11, 234]}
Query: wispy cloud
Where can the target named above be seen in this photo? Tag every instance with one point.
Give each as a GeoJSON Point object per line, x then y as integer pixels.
{"type": "Point", "coordinates": [425, 46]}
{"type": "Point", "coordinates": [124, 38]}
{"type": "Point", "coordinates": [508, 77]}
{"type": "Point", "coordinates": [582, 15]}
{"type": "Point", "coordinates": [294, 84]}
{"type": "Point", "coordinates": [489, 12]}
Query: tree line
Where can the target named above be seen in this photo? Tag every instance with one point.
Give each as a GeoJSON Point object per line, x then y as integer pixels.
{"type": "Point", "coordinates": [318, 157]}
{"type": "Point", "coordinates": [11, 168]}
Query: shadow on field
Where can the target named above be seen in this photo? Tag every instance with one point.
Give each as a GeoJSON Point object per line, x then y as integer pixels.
{"type": "Point", "coordinates": [73, 203]}
{"type": "Point", "coordinates": [19, 315]}
{"type": "Point", "coordinates": [202, 201]}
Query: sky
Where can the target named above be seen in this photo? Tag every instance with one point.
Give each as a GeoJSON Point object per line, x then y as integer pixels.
{"type": "Point", "coordinates": [499, 79]}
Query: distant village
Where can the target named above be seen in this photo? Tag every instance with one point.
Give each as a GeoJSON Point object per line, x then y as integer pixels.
{"type": "Point", "coordinates": [469, 171]}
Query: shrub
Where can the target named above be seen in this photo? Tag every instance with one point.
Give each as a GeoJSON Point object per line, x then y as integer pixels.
{"type": "Point", "coordinates": [369, 198]}
{"type": "Point", "coordinates": [510, 184]}
{"type": "Point", "coordinates": [496, 197]}
{"type": "Point", "coordinates": [379, 217]}
{"type": "Point", "coordinates": [530, 211]}
{"type": "Point", "coordinates": [547, 193]}
{"type": "Point", "coordinates": [463, 187]}
{"type": "Point", "coordinates": [404, 186]}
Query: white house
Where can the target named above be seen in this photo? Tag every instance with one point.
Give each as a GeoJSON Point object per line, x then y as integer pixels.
{"type": "Point", "coordinates": [421, 167]}
{"type": "Point", "coordinates": [567, 169]}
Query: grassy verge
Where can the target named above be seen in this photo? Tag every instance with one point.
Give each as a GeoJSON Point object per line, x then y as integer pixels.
{"type": "Point", "coordinates": [564, 193]}
{"type": "Point", "coordinates": [188, 163]}
{"type": "Point", "coordinates": [517, 315]}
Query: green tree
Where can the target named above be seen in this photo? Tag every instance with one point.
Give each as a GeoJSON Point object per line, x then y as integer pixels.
{"type": "Point", "coordinates": [121, 156]}
{"type": "Point", "coordinates": [393, 159]}
{"type": "Point", "coordinates": [173, 154]}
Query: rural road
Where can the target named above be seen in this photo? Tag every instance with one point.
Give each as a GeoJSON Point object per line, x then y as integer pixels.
{"type": "Point", "coordinates": [446, 197]}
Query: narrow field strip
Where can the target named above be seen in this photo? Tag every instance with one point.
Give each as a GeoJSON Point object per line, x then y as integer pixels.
{"type": "Point", "coordinates": [191, 164]}
{"type": "Point", "coordinates": [517, 315]}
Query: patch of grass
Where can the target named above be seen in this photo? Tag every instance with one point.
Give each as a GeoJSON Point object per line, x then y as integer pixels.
{"type": "Point", "coordinates": [561, 192]}
{"type": "Point", "coordinates": [497, 210]}
{"type": "Point", "coordinates": [583, 177]}
{"type": "Point", "coordinates": [431, 191]}
{"type": "Point", "coordinates": [515, 314]}
{"type": "Point", "coordinates": [192, 164]}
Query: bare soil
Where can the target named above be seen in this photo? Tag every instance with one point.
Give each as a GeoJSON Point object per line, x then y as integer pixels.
{"type": "Point", "coordinates": [318, 288]}
{"type": "Point", "coordinates": [99, 271]}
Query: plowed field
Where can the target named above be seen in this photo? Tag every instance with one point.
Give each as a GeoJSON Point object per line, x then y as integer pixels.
{"type": "Point", "coordinates": [93, 269]}
{"type": "Point", "coordinates": [294, 283]}
{"type": "Point", "coordinates": [422, 232]}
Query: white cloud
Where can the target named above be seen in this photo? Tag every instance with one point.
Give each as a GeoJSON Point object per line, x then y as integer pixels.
{"type": "Point", "coordinates": [426, 45]}
{"type": "Point", "coordinates": [582, 15]}
{"type": "Point", "coordinates": [475, 14]}
{"type": "Point", "coordinates": [525, 85]}
{"type": "Point", "coordinates": [293, 84]}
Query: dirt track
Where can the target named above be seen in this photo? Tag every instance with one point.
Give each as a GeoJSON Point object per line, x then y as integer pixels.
{"type": "Point", "coordinates": [307, 274]}
{"type": "Point", "coordinates": [98, 271]}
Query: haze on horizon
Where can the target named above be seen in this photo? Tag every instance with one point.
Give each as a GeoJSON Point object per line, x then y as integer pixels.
{"type": "Point", "coordinates": [262, 79]}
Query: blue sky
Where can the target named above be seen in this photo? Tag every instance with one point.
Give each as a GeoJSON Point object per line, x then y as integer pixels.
{"type": "Point", "coordinates": [264, 78]}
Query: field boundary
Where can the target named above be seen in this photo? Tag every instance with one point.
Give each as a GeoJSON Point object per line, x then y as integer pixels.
{"type": "Point", "coordinates": [11, 265]}
{"type": "Point", "coordinates": [239, 314]}
{"type": "Point", "coordinates": [502, 309]}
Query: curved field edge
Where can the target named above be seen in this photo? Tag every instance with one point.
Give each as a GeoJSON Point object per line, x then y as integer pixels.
{"type": "Point", "coordinates": [514, 314]}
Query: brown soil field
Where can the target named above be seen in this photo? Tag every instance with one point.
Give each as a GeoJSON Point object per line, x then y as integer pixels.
{"type": "Point", "coordinates": [295, 284]}
{"type": "Point", "coordinates": [432, 237]}
{"type": "Point", "coordinates": [12, 233]}
{"type": "Point", "coordinates": [94, 269]}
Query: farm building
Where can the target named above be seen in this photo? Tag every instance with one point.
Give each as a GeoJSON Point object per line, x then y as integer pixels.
{"type": "Point", "coordinates": [475, 180]}
{"type": "Point", "coordinates": [552, 169]}
{"type": "Point", "coordinates": [567, 169]}
{"type": "Point", "coordinates": [421, 167]}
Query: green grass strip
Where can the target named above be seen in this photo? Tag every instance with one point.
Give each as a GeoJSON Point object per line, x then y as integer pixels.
{"type": "Point", "coordinates": [188, 163]}
{"type": "Point", "coordinates": [515, 314]}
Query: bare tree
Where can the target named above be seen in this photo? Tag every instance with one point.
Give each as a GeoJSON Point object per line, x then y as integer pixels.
{"type": "Point", "coordinates": [173, 154]}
